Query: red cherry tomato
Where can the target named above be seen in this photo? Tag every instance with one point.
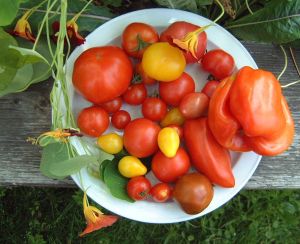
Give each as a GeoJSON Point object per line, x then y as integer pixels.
{"type": "Point", "coordinates": [161, 192]}
{"type": "Point", "coordinates": [154, 109]}
{"type": "Point", "coordinates": [147, 80]}
{"type": "Point", "coordinates": [138, 188]}
{"type": "Point", "coordinates": [140, 137]}
{"type": "Point", "coordinates": [179, 30]}
{"type": "Point", "coordinates": [101, 74]}
{"type": "Point", "coordinates": [120, 119]}
{"type": "Point", "coordinates": [135, 94]}
{"type": "Point", "coordinates": [170, 169]}
{"type": "Point", "coordinates": [218, 63]}
{"type": "Point", "coordinates": [178, 129]}
{"type": "Point", "coordinates": [210, 87]}
{"type": "Point", "coordinates": [172, 92]}
{"type": "Point", "coordinates": [194, 105]}
{"type": "Point", "coordinates": [136, 37]}
{"type": "Point", "coordinates": [93, 121]}
{"type": "Point", "coordinates": [113, 105]}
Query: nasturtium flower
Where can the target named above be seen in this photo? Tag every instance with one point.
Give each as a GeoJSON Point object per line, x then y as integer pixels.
{"type": "Point", "coordinates": [95, 218]}
{"type": "Point", "coordinates": [23, 29]}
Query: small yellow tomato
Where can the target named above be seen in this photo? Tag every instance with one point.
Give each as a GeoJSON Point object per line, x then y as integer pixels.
{"type": "Point", "coordinates": [168, 141]}
{"type": "Point", "coordinates": [173, 117]}
{"type": "Point", "coordinates": [111, 143]}
{"type": "Point", "coordinates": [130, 166]}
{"type": "Point", "coordinates": [163, 62]}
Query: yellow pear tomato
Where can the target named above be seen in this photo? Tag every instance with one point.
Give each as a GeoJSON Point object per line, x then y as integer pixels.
{"type": "Point", "coordinates": [130, 166]}
{"type": "Point", "coordinates": [111, 143]}
{"type": "Point", "coordinates": [163, 62]}
{"type": "Point", "coordinates": [168, 141]}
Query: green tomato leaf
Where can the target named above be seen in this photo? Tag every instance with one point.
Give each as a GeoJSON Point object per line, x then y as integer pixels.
{"type": "Point", "coordinates": [115, 181]}
{"type": "Point", "coordinates": [56, 163]}
{"type": "Point", "coordinates": [179, 4]}
{"type": "Point", "coordinates": [8, 11]}
{"type": "Point", "coordinates": [278, 22]}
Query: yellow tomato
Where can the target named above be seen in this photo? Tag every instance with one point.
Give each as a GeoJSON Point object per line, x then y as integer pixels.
{"type": "Point", "coordinates": [173, 117]}
{"type": "Point", "coordinates": [168, 141]}
{"type": "Point", "coordinates": [111, 143]}
{"type": "Point", "coordinates": [163, 62]}
{"type": "Point", "coordinates": [130, 166]}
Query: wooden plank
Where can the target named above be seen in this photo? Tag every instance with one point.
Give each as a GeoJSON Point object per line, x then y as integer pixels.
{"type": "Point", "coordinates": [28, 114]}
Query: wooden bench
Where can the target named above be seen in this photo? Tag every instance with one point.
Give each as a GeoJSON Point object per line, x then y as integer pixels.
{"type": "Point", "coordinates": [29, 114]}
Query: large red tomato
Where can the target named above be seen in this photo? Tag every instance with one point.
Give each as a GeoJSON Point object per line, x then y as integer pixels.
{"type": "Point", "coordinates": [140, 137]}
{"type": "Point", "coordinates": [170, 169]}
{"type": "Point", "coordinates": [180, 29]}
{"type": "Point", "coordinates": [102, 73]}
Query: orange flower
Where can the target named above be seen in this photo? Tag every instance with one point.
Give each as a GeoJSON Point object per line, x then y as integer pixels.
{"type": "Point", "coordinates": [72, 30]}
{"type": "Point", "coordinates": [23, 29]}
{"type": "Point", "coordinates": [95, 218]}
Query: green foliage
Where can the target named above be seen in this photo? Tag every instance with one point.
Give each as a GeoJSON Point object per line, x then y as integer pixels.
{"type": "Point", "coordinates": [55, 216]}
{"type": "Point", "coordinates": [8, 11]}
{"type": "Point", "coordinates": [56, 162]}
{"type": "Point", "coordinates": [278, 22]}
{"type": "Point", "coordinates": [115, 182]}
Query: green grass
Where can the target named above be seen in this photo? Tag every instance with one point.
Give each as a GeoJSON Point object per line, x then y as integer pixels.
{"type": "Point", "coordinates": [35, 215]}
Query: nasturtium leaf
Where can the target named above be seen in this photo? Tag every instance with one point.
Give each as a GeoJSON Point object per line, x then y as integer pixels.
{"type": "Point", "coordinates": [8, 11]}
{"type": "Point", "coordinates": [57, 164]}
{"type": "Point", "coordinates": [179, 4]}
{"type": "Point", "coordinates": [278, 22]}
{"type": "Point", "coordinates": [102, 168]}
{"type": "Point", "coordinates": [115, 181]}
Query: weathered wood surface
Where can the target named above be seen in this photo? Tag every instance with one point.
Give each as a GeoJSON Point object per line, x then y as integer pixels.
{"type": "Point", "coordinates": [28, 114]}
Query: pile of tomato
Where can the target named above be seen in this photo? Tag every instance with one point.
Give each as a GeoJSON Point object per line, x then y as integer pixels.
{"type": "Point", "coordinates": [181, 127]}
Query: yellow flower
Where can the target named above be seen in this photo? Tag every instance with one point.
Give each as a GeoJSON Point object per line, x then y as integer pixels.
{"type": "Point", "coordinates": [95, 218]}
{"type": "Point", "coordinates": [23, 29]}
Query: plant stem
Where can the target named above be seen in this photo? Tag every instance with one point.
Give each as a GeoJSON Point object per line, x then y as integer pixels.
{"type": "Point", "coordinates": [294, 60]}
{"type": "Point", "coordinates": [248, 7]}
{"type": "Point", "coordinates": [222, 11]}
{"type": "Point", "coordinates": [285, 63]}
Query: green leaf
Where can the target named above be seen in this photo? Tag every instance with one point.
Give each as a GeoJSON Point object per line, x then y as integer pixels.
{"type": "Point", "coordinates": [102, 168]}
{"type": "Point", "coordinates": [204, 2]}
{"type": "Point", "coordinates": [179, 4]}
{"type": "Point", "coordinates": [56, 164]}
{"type": "Point", "coordinates": [8, 11]}
{"type": "Point", "coordinates": [278, 22]}
{"type": "Point", "coordinates": [115, 181]}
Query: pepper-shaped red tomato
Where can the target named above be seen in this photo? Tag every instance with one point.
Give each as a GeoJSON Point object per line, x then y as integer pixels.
{"type": "Point", "coordinates": [207, 155]}
{"type": "Point", "coordinates": [280, 141]}
{"type": "Point", "coordinates": [225, 128]}
{"type": "Point", "coordinates": [255, 101]}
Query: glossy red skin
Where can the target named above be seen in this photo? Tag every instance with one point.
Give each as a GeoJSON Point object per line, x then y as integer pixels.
{"type": "Point", "coordinates": [168, 170]}
{"type": "Point", "coordinates": [225, 128]}
{"type": "Point", "coordinates": [135, 94]}
{"type": "Point", "coordinates": [194, 105]}
{"type": "Point", "coordinates": [172, 92]}
{"type": "Point", "coordinates": [218, 63]}
{"type": "Point", "coordinates": [130, 38]}
{"type": "Point", "coordinates": [180, 29]}
{"type": "Point", "coordinates": [147, 80]}
{"type": "Point", "coordinates": [178, 129]}
{"type": "Point", "coordinates": [113, 105]}
{"type": "Point", "coordinates": [280, 142]}
{"type": "Point", "coordinates": [138, 188]}
{"type": "Point", "coordinates": [93, 121]}
{"type": "Point", "coordinates": [255, 101]}
{"type": "Point", "coordinates": [207, 155]}
{"type": "Point", "coordinates": [120, 119]}
{"type": "Point", "coordinates": [101, 74]}
{"type": "Point", "coordinates": [210, 88]}
{"type": "Point", "coordinates": [154, 109]}
{"type": "Point", "coordinates": [161, 192]}
{"type": "Point", "coordinates": [140, 137]}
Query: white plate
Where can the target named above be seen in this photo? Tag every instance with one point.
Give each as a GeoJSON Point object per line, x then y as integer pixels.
{"type": "Point", "coordinates": [243, 164]}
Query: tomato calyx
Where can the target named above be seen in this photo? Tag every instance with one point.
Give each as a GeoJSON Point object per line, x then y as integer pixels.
{"type": "Point", "coordinates": [137, 79]}
{"type": "Point", "coordinates": [141, 44]}
{"type": "Point", "coordinates": [189, 42]}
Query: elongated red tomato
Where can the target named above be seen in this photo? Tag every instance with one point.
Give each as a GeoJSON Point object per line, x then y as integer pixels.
{"type": "Point", "coordinates": [207, 155]}
{"type": "Point", "coordinates": [179, 30]}
{"type": "Point", "coordinates": [101, 74]}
